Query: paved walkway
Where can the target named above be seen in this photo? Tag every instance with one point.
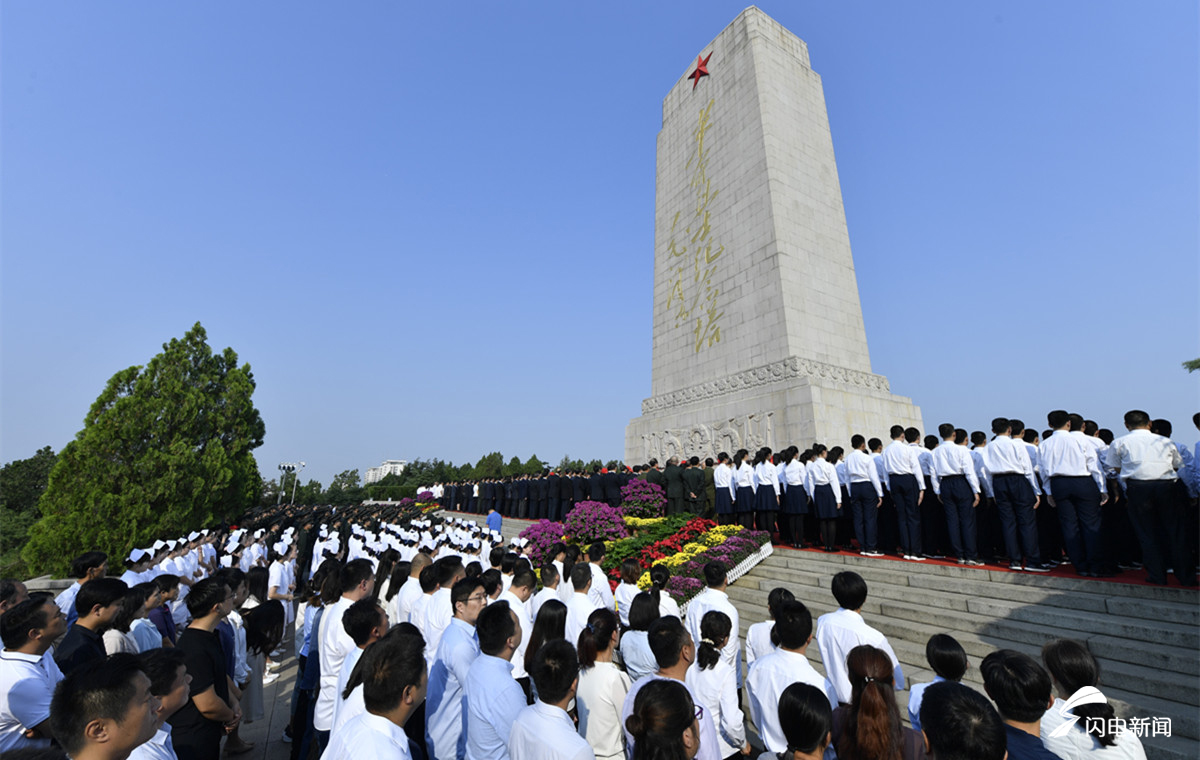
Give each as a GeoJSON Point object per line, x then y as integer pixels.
{"type": "Point", "coordinates": [277, 700]}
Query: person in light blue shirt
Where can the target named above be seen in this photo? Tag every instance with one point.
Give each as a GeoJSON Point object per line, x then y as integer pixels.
{"type": "Point", "coordinates": [948, 660]}
{"type": "Point", "coordinates": [635, 645]}
{"type": "Point", "coordinates": [446, 716]}
{"type": "Point", "coordinates": [493, 697]}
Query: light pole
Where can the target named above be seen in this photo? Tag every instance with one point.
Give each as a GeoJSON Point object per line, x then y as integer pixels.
{"type": "Point", "coordinates": [289, 467]}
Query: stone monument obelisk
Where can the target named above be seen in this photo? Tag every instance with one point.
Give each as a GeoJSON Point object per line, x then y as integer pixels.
{"type": "Point", "coordinates": [758, 331]}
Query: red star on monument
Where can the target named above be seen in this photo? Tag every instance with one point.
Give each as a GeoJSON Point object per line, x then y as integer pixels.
{"type": "Point", "coordinates": [701, 70]}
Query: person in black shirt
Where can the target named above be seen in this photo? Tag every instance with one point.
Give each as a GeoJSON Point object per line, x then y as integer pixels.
{"type": "Point", "coordinates": [211, 711]}
{"type": "Point", "coordinates": [97, 603]}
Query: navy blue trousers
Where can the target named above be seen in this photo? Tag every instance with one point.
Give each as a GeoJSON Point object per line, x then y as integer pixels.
{"type": "Point", "coordinates": [957, 498]}
{"type": "Point", "coordinates": [1015, 502]}
{"type": "Point", "coordinates": [905, 489]}
{"type": "Point", "coordinates": [862, 501]}
{"type": "Point", "coordinates": [1077, 500]}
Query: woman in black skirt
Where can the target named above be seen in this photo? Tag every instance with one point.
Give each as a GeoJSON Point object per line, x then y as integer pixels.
{"type": "Point", "coordinates": [723, 485]}
{"type": "Point", "coordinates": [826, 495]}
{"type": "Point", "coordinates": [766, 495]}
{"type": "Point", "coordinates": [744, 481]}
{"type": "Point", "coordinates": [795, 498]}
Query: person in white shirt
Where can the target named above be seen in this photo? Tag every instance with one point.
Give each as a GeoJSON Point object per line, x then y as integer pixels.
{"type": "Point", "coordinates": [714, 683]}
{"type": "Point", "coordinates": [394, 685]}
{"type": "Point", "coordinates": [492, 697]}
{"type": "Point", "coordinates": [365, 622]}
{"type": "Point", "coordinates": [1076, 489]}
{"type": "Point", "coordinates": [601, 591]}
{"type": "Point", "coordinates": [660, 575]}
{"type": "Point", "coordinates": [665, 721]}
{"type": "Point", "coordinates": [635, 643]}
{"type": "Point", "coordinates": [794, 502]}
{"type": "Point", "coordinates": [1015, 490]}
{"type": "Point", "coordinates": [428, 584]}
{"type": "Point", "coordinates": [169, 682]}
{"type": "Point", "coordinates": [675, 652]}
{"type": "Point", "coordinates": [807, 722]}
{"type": "Point", "coordinates": [550, 582]}
{"type": "Point", "coordinates": [714, 598]}
{"type": "Point", "coordinates": [457, 650]}
{"type": "Point", "coordinates": [725, 490]}
{"type": "Point", "coordinates": [440, 608]}
{"type": "Point", "coordinates": [839, 632]}
{"type": "Point", "coordinates": [518, 596]}
{"type": "Point", "coordinates": [766, 490]}
{"type": "Point", "coordinates": [544, 730]}
{"type": "Point", "coordinates": [1147, 465]}
{"type": "Point", "coordinates": [866, 495]}
{"type": "Point", "coordinates": [28, 673]}
{"type": "Point", "coordinates": [602, 687]}
{"type": "Point", "coordinates": [85, 567]}
{"type": "Point", "coordinates": [581, 603]}
{"type": "Point", "coordinates": [1072, 668]}
{"type": "Point", "coordinates": [759, 641]}
{"type": "Point", "coordinates": [821, 483]}
{"type": "Point", "coordinates": [907, 485]}
{"type": "Point", "coordinates": [631, 571]}
{"type": "Point", "coordinates": [771, 674]}
{"type": "Point", "coordinates": [744, 488]}
{"type": "Point", "coordinates": [957, 487]}
{"type": "Point", "coordinates": [357, 580]}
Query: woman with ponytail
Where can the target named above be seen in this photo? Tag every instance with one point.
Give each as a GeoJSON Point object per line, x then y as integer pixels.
{"type": "Point", "coordinates": [659, 575]}
{"type": "Point", "coordinates": [743, 479]}
{"type": "Point", "coordinates": [1072, 668]}
{"type": "Point", "coordinates": [663, 723]}
{"type": "Point", "coordinates": [602, 686]}
{"type": "Point", "coordinates": [806, 720]}
{"type": "Point", "coordinates": [766, 493]}
{"type": "Point", "coordinates": [715, 684]}
{"type": "Point", "coordinates": [821, 483]}
{"type": "Point", "coordinates": [869, 727]}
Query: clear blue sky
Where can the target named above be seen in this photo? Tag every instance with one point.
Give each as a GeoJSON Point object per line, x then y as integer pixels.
{"type": "Point", "coordinates": [429, 226]}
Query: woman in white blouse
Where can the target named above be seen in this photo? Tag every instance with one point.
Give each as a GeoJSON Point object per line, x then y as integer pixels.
{"type": "Point", "coordinates": [602, 687]}
{"type": "Point", "coordinates": [743, 478]}
{"type": "Point", "coordinates": [821, 483]}
{"type": "Point", "coordinates": [627, 590]}
{"type": "Point", "coordinates": [795, 499]}
{"type": "Point", "coordinates": [766, 493]}
{"type": "Point", "coordinates": [1072, 668]}
{"type": "Point", "coordinates": [714, 684]}
{"type": "Point", "coordinates": [118, 638]}
{"type": "Point", "coordinates": [659, 575]}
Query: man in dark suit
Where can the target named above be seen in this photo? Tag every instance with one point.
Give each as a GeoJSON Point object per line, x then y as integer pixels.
{"type": "Point", "coordinates": [673, 477]}
{"type": "Point", "coordinates": [579, 487]}
{"type": "Point", "coordinates": [654, 475]}
{"type": "Point", "coordinates": [565, 489]}
{"type": "Point", "coordinates": [693, 487]}
{"type": "Point", "coordinates": [612, 488]}
{"type": "Point", "coordinates": [710, 489]}
{"type": "Point", "coordinates": [523, 497]}
{"type": "Point", "coordinates": [596, 484]}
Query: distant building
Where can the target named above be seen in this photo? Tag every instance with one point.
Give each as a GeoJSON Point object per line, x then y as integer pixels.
{"type": "Point", "coordinates": [389, 467]}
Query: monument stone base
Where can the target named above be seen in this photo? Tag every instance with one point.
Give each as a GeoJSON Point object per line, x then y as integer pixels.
{"type": "Point", "coordinates": [790, 402]}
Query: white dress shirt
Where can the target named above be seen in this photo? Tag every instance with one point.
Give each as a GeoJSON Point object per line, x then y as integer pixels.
{"type": "Point", "coordinates": [860, 468]}
{"type": "Point", "coordinates": [1142, 455]}
{"type": "Point", "coordinates": [541, 597]}
{"type": "Point", "coordinates": [716, 689]}
{"type": "Point", "coordinates": [348, 709]}
{"type": "Point", "coordinates": [493, 702]}
{"type": "Point", "coordinates": [601, 591]}
{"type": "Point", "coordinates": [546, 732]}
{"type": "Point", "coordinates": [624, 596]}
{"type": "Point", "coordinates": [1078, 744]}
{"type": "Point", "coordinates": [744, 477]}
{"type": "Point", "coordinates": [445, 717]}
{"type": "Point", "coordinates": [723, 478]}
{"type": "Point", "coordinates": [526, 624]}
{"type": "Point", "coordinates": [793, 474]}
{"type": "Point", "coordinates": [66, 602]}
{"type": "Point", "coordinates": [159, 746]}
{"type": "Point", "coordinates": [1064, 454]}
{"type": "Point", "coordinates": [710, 744]}
{"type": "Point", "coordinates": [333, 644]}
{"type": "Point", "coordinates": [877, 458]}
{"type": "Point", "coordinates": [982, 472]}
{"type": "Point", "coordinates": [837, 633]}
{"type": "Point", "coordinates": [368, 735]}
{"type": "Point", "coordinates": [899, 458]}
{"type": "Point", "coordinates": [599, 698]}
{"type": "Point", "coordinates": [758, 641]}
{"type": "Point", "coordinates": [765, 684]}
{"type": "Point", "coordinates": [950, 459]}
{"type": "Point", "coordinates": [1004, 456]}
{"type": "Point", "coordinates": [579, 609]}
{"type": "Point", "coordinates": [766, 475]}
{"type": "Point", "coordinates": [821, 473]}
{"type": "Point", "coordinates": [437, 614]}
{"type": "Point", "coordinates": [27, 684]}
{"type": "Point", "coordinates": [352, 658]}
{"type": "Point", "coordinates": [708, 600]}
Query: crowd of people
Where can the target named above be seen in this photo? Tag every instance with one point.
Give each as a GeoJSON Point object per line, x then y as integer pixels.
{"type": "Point", "coordinates": [423, 637]}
